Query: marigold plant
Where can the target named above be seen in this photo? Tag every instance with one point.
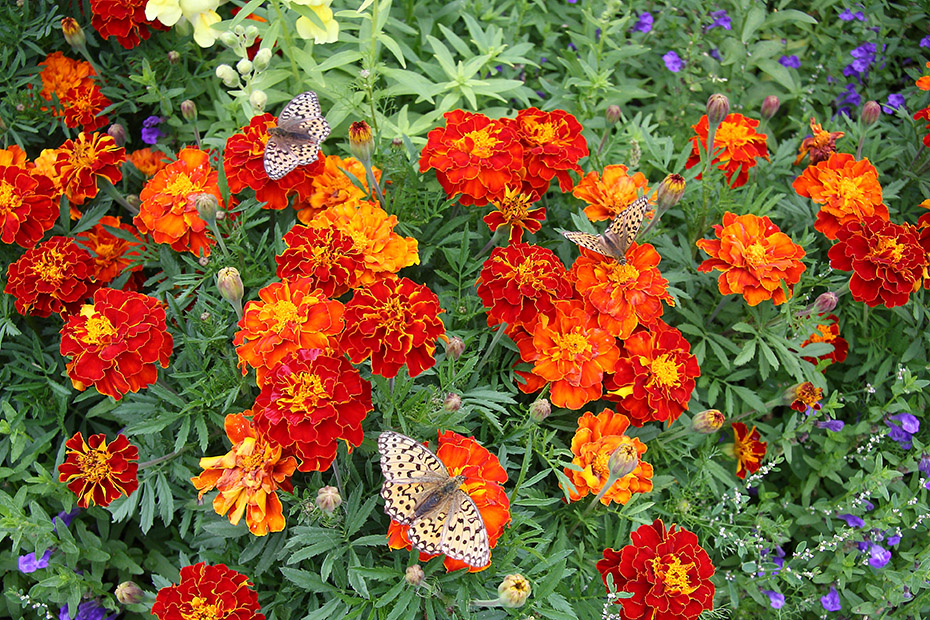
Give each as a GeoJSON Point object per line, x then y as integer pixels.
{"type": "Point", "coordinates": [148, 161]}
{"type": "Point", "coordinates": [80, 162]}
{"type": "Point", "coordinates": [552, 145]}
{"type": "Point", "coordinates": [124, 20]}
{"type": "Point", "coordinates": [514, 211]}
{"type": "Point", "coordinates": [323, 253]}
{"type": "Point", "coordinates": [829, 331]}
{"type": "Point", "coordinates": [98, 472]}
{"type": "Point", "coordinates": [55, 276]}
{"type": "Point", "coordinates": [820, 145]}
{"type": "Point", "coordinates": [203, 591]}
{"type": "Point", "coordinates": [28, 206]}
{"type": "Point", "coordinates": [737, 147]}
{"type": "Point", "coordinates": [60, 74]}
{"type": "Point", "coordinates": [806, 397]}
{"type": "Point", "coordinates": [112, 255]}
{"type": "Point", "coordinates": [331, 186]}
{"type": "Point", "coordinates": [83, 105]}
{"type": "Point", "coordinates": [747, 449]}
{"type": "Point", "coordinates": [610, 193]}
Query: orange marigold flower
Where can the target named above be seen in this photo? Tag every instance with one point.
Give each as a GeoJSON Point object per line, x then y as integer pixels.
{"type": "Point", "coordinates": [925, 115]}
{"type": "Point", "coordinates": [372, 231]}
{"type": "Point", "coordinates": [99, 473]}
{"type": "Point", "coordinates": [115, 342]}
{"type": "Point", "coordinates": [755, 258]}
{"type": "Point", "coordinates": [484, 477]}
{"type": "Point", "coordinates": [396, 322]}
{"type": "Point", "coordinates": [609, 194]}
{"type": "Point", "coordinates": [654, 377]}
{"type": "Point", "coordinates": [325, 254]}
{"type": "Point", "coordinates": [821, 145]}
{"type": "Point", "coordinates": [288, 316]}
{"type": "Point", "coordinates": [552, 145]}
{"type": "Point", "coordinates": [123, 19]}
{"type": "Point", "coordinates": [243, 161]}
{"type": "Point", "coordinates": [597, 437]}
{"type": "Point", "coordinates": [55, 276]}
{"type": "Point", "coordinates": [520, 282]}
{"type": "Point", "coordinates": [667, 573]}
{"type": "Point", "coordinates": [570, 351]}
{"type": "Point", "coordinates": [14, 156]}
{"type": "Point", "coordinates": [829, 332]}
{"type": "Point", "coordinates": [806, 397]}
{"type": "Point", "coordinates": [624, 296]}
{"type": "Point", "coordinates": [60, 74]}
{"type": "Point", "coordinates": [747, 449]}
{"type": "Point", "coordinates": [308, 403]}
{"type": "Point", "coordinates": [149, 162]}
{"type": "Point", "coordinates": [887, 260]}
{"type": "Point", "coordinates": [112, 254]}
{"type": "Point", "coordinates": [513, 210]}
{"type": "Point", "coordinates": [28, 206]}
{"type": "Point", "coordinates": [736, 147]}
{"type": "Point", "coordinates": [82, 160]}
{"type": "Point", "coordinates": [847, 189]}
{"type": "Point", "coordinates": [44, 165]}
{"type": "Point", "coordinates": [167, 211]}
{"type": "Point", "coordinates": [474, 156]}
{"type": "Point", "coordinates": [83, 105]}
{"type": "Point", "coordinates": [332, 187]}
{"type": "Point", "coordinates": [208, 592]}
{"type": "Point", "coordinates": [247, 478]}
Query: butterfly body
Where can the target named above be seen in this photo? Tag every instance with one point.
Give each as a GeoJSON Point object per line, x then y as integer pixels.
{"type": "Point", "coordinates": [297, 138]}
{"type": "Point", "coordinates": [616, 240]}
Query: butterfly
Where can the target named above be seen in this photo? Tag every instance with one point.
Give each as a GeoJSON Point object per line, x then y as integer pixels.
{"type": "Point", "coordinates": [418, 491]}
{"type": "Point", "coordinates": [616, 240]}
{"type": "Point", "coordinates": [297, 138]}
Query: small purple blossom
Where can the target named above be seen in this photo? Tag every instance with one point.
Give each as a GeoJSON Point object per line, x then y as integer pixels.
{"type": "Point", "coordinates": [65, 517]}
{"type": "Point", "coordinates": [721, 20]}
{"type": "Point", "coordinates": [848, 16]}
{"type": "Point", "coordinates": [847, 100]}
{"type": "Point", "coordinates": [864, 57]}
{"type": "Point", "coordinates": [572, 47]}
{"type": "Point", "coordinates": [908, 422]}
{"type": "Point", "coordinates": [831, 600]}
{"type": "Point", "coordinates": [834, 426]}
{"type": "Point", "coordinates": [893, 540]}
{"type": "Point", "coordinates": [902, 434]}
{"type": "Point", "coordinates": [88, 610]}
{"type": "Point", "coordinates": [644, 22]}
{"type": "Point", "coordinates": [923, 465]}
{"type": "Point", "coordinates": [852, 520]}
{"type": "Point", "coordinates": [895, 101]}
{"type": "Point", "coordinates": [715, 54]}
{"type": "Point", "coordinates": [29, 563]}
{"type": "Point", "coordinates": [543, 59]}
{"type": "Point", "coordinates": [673, 62]}
{"type": "Point", "coordinates": [868, 505]}
{"type": "Point", "coordinates": [925, 42]}
{"type": "Point", "coordinates": [150, 131]}
{"type": "Point", "coordinates": [776, 599]}
{"type": "Point", "coordinates": [792, 62]}
{"type": "Point", "coordinates": [878, 556]}
{"type": "Point", "coordinates": [597, 34]}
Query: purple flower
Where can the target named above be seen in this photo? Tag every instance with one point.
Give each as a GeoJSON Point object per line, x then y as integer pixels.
{"type": "Point", "coordinates": [721, 20]}
{"type": "Point", "coordinates": [879, 556]}
{"type": "Point", "coordinates": [925, 42]}
{"type": "Point", "coordinates": [831, 600]}
{"type": "Point", "coordinates": [847, 100]}
{"type": "Point", "coordinates": [893, 540]}
{"type": "Point", "coordinates": [923, 465]}
{"type": "Point", "coordinates": [902, 434]}
{"type": "Point", "coordinates": [673, 62]}
{"type": "Point", "coordinates": [832, 425]}
{"type": "Point", "coordinates": [715, 54]}
{"type": "Point", "coordinates": [895, 101]}
{"type": "Point", "coordinates": [29, 563]}
{"type": "Point", "coordinates": [150, 131]}
{"type": "Point", "coordinates": [792, 62]}
{"type": "Point", "coordinates": [572, 47]}
{"type": "Point", "coordinates": [848, 16]}
{"type": "Point", "coordinates": [868, 505]}
{"type": "Point", "coordinates": [776, 599]}
{"type": "Point", "coordinates": [864, 56]}
{"type": "Point", "coordinates": [543, 59]}
{"type": "Point", "coordinates": [597, 34]}
{"type": "Point", "coordinates": [65, 517]}
{"type": "Point", "coordinates": [88, 610]}
{"type": "Point", "coordinates": [908, 422]}
{"type": "Point", "coordinates": [851, 520]}
{"type": "Point", "coordinates": [644, 23]}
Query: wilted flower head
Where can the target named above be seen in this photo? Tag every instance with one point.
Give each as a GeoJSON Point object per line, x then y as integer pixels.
{"type": "Point", "coordinates": [328, 499]}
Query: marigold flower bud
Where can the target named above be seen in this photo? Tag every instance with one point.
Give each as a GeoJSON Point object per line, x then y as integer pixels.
{"type": "Point", "coordinates": [540, 410]}
{"type": "Point", "coordinates": [718, 106]}
{"type": "Point", "coordinates": [244, 67]}
{"type": "Point", "coordinates": [206, 205]}
{"type": "Point", "coordinates": [258, 99]}
{"type": "Point", "coordinates": [174, 57]}
{"type": "Point", "coordinates": [636, 151]}
{"type": "Point", "coordinates": [360, 141]}
{"type": "Point", "coordinates": [455, 347]}
{"type": "Point", "coordinates": [613, 114]}
{"type": "Point", "coordinates": [870, 113]}
{"type": "Point", "coordinates": [770, 107]}
{"type": "Point", "coordinates": [230, 286]}
{"type": "Point", "coordinates": [118, 133]}
{"type": "Point", "coordinates": [203, 261]}
{"type": "Point", "coordinates": [683, 506]}
{"type": "Point", "coordinates": [414, 575]}
{"type": "Point", "coordinates": [228, 75]}
{"type": "Point", "coordinates": [188, 110]}
{"type": "Point", "coordinates": [134, 203]}
{"type": "Point", "coordinates": [328, 499]}
{"type": "Point", "coordinates": [204, 316]}
{"type": "Point", "coordinates": [826, 302]}
{"type": "Point", "coordinates": [73, 32]}
{"type": "Point", "coordinates": [262, 59]}
{"type": "Point", "coordinates": [623, 460]}
{"type": "Point", "coordinates": [670, 191]}
{"type": "Point", "coordinates": [453, 402]}
{"type": "Point", "coordinates": [707, 422]}
{"type": "Point", "coordinates": [514, 590]}
{"type": "Point", "coordinates": [397, 143]}
{"type": "Point", "coordinates": [128, 593]}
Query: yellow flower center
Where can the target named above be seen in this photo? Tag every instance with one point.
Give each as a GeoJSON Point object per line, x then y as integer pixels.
{"type": "Point", "coordinates": [201, 610]}
{"type": "Point", "coordinates": [395, 314]}
{"type": "Point", "coordinates": [50, 266]}
{"type": "Point", "coordinates": [541, 133]}
{"type": "Point", "coordinates": [99, 329]}
{"type": "Point", "coordinates": [479, 143]}
{"type": "Point", "coordinates": [731, 135]}
{"type": "Point", "coordinates": [754, 254]}
{"type": "Point", "coordinates": [600, 465]}
{"type": "Point", "coordinates": [304, 391]}
{"type": "Point", "coordinates": [106, 250]}
{"type": "Point", "coordinates": [515, 206]}
{"type": "Point", "coordinates": [181, 186]}
{"type": "Point", "coordinates": [888, 250]}
{"type": "Point", "coordinates": [850, 190]}
{"type": "Point", "coordinates": [573, 344]}
{"type": "Point", "coordinates": [621, 274]}
{"type": "Point", "coordinates": [9, 200]}
{"type": "Point", "coordinates": [826, 334]}
{"type": "Point", "coordinates": [283, 312]}
{"type": "Point", "coordinates": [808, 394]}
{"type": "Point", "coordinates": [664, 372]}
{"type": "Point", "coordinates": [82, 156]}
{"type": "Point", "coordinates": [671, 572]}
{"type": "Point", "coordinates": [95, 464]}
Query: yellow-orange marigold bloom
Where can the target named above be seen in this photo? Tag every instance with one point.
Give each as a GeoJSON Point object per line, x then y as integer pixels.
{"type": "Point", "coordinates": [149, 162]}
{"type": "Point", "coordinates": [755, 257]}
{"type": "Point", "coordinates": [99, 473]}
{"type": "Point", "coordinates": [28, 206]}
{"type": "Point", "coordinates": [14, 156]}
{"type": "Point", "coordinates": [323, 253]}
{"type": "Point", "coordinates": [288, 316]}
{"type": "Point", "coordinates": [247, 478]}
{"type": "Point", "coordinates": [552, 145]}
{"type": "Point", "coordinates": [736, 147]}
{"type": "Point", "coordinates": [829, 332]}
{"type": "Point", "coordinates": [847, 190]}
{"type": "Point", "coordinates": [112, 254]}
{"type": "Point", "coordinates": [821, 145]}
{"type": "Point", "coordinates": [597, 437]}
{"type": "Point", "coordinates": [331, 186]}
{"type": "Point", "coordinates": [82, 160]}
{"type": "Point", "coordinates": [805, 396]}
{"type": "Point", "coordinates": [168, 213]}
{"type": "Point", "coordinates": [208, 593]}
{"type": "Point", "coordinates": [923, 82]}
{"type": "Point", "coordinates": [610, 193]}
{"type": "Point", "coordinates": [747, 449]}
{"type": "Point", "coordinates": [60, 74]}
{"type": "Point", "coordinates": [513, 210]}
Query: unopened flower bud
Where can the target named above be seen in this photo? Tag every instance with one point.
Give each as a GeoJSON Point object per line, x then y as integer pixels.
{"type": "Point", "coordinates": [514, 590]}
{"type": "Point", "coordinates": [251, 33]}
{"type": "Point", "coordinates": [453, 402]}
{"type": "Point", "coordinates": [204, 316]}
{"type": "Point", "coordinates": [118, 133]}
{"type": "Point", "coordinates": [455, 347]}
{"type": "Point", "coordinates": [206, 205]}
{"type": "Point", "coordinates": [134, 202]}
{"type": "Point", "coordinates": [239, 30]}
{"type": "Point", "coordinates": [328, 499]}
{"type": "Point", "coordinates": [230, 286]}
{"type": "Point", "coordinates": [870, 113]}
{"type": "Point", "coordinates": [262, 59]}
{"type": "Point", "coordinates": [707, 422]}
{"type": "Point", "coordinates": [228, 39]}
{"type": "Point", "coordinates": [770, 107]}
{"type": "Point", "coordinates": [414, 575]}
{"type": "Point", "coordinates": [540, 410]}
{"type": "Point", "coordinates": [258, 99]}
{"type": "Point", "coordinates": [683, 506]}
{"type": "Point", "coordinates": [826, 302]}
{"type": "Point", "coordinates": [397, 143]}
{"type": "Point", "coordinates": [360, 141]}
{"type": "Point", "coordinates": [613, 114]}
{"type": "Point", "coordinates": [128, 593]}
{"type": "Point", "coordinates": [718, 106]}
{"type": "Point", "coordinates": [73, 32]}
{"type": "Point", "coordinates": [228, 75]}
{"type": "Point", "coordinates": [670, 192]}
{"type": "Point", "coordinates": [623, 460]}
{"type": "Point", "coordinates": [203, 261]}
{"type": "Point", "coordinates": [174, 57]}
{"type": "Point", "coordinates": [188, 110]}
{"type": "Point", "coordinates": [244, 67]}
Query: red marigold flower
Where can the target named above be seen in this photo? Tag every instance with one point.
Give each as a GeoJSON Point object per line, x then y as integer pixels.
{"type": "Point", "coordinates": [247, 477]}
{"type": "Point", "coordinates": [148, 161]}
{"type": "Point", "coordinates": [168, 213]}
{"type": "Point", "coordinates": [925, 115]}
{"type": "Point", "coordinates": [82, 160]}
{"type": "Point", "coordinates": [667, 572]}
{"type": "Point", "coordinates": [55, 276]}
{"type": "Point", "coordinates": [474, 156]}
{"type": "Point", "coordinates": [331, 187]}
{"type": "Point", "coordinates": [611, 193]}
{"type": "Point", "coordinates": [60, 74]}
{"type": "Point", "coordinates": [28, 206]}
{"type": "Point", "coordinates": [597, 437]}
{"type": "Point", "coordinates": [755, 258]}
{"type": "Point", "coordinates": [123, 19]}
{"type": "Point", "coordinates": [520, 282]}
{"type": "Point", "coordinates": [805, 396]}
{"type": "Point", "coordinates": [308, 403]}
{"type": "Point", "coordinates": [886, 259]}
{"type": "Point", "coordinates": [624, 296]}
{"type": "Point", "coordinates": [740, 145]}
{"type": "Point", "coordinates": [243, 161]}
{"type": "Point", "coordinates": [655, 375]}
{"type": "Point", "coordinates": [829, 332]}
{"type": "Point", "coordinates": [112, 254]}
{"type": "Point", "coordinates": [821, 145]}
{"type": "Point", "coordinates": [923, 82]}
{"type": "Point", "coordinates": [747, 449]}
{"type": "Point", "coordinates": [513, 210]}
{"type": "Point", "coordinates": [83, 105]}
{"type": "Point", "coordinates": [847, 189]}
{"type": "Point", "coordinates": [484, 477]}
{"type": "Point", "coordinates": [323, 253]}
{"type": "Point", "coordinates": [570, 351]}
{"type": "Point", "coordinates": [552, 145]}
{"type": "Point", "coordinates": [115, 343]}
{"type": "Point", "coordinates": [99, 473]}
{"type": "Point", "coordinates": [208, 592]}
{"type": "Point", "coordinates": [288, 316]}
{"type": "Point", "coordinates": [395, 321]}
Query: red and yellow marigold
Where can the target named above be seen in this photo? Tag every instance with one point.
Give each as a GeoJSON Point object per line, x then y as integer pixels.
{"type": "Point", "coordinates": [123, 19]}
{"type": "Point", "coordinates": [514, 211]}
{"type": "Point", "coordinates": [60, 74]}
{"type": "Point", "coordinates": [82, 160]}
{"type": "Point", "coordinates": [55, 276]}
{"type": "Point", "coordinates": [112, 254]}
{"type": "Point", "coordinates": [97, 472]}
{"type": "Point", "coordinates": [821, 145]}
{"type": "Point", "coordinates": [552, 145]}
{"type": "Point", "coordinates": [806, 397]}
{"type": "Point", "coordinates": [148, 161]}
{"type": "Point", "coordinates": [323, 253]}
{"type": "Point", "coordinates": [330, 186]}
{"type": "Point", "coordinates": [208, 592]}
{"type": "Point", "coordinates": [736, 148]}
{"type": "Point", "coordinates": [828, 331]}
{"type": "Point", "coordinates": [747, 449]}
{"type": "Point", "coordinates": [609, 194]}
{"type": "Point", "coordinates": [28, 206]}
{"type": "Point", "coordinates": [83, 105]}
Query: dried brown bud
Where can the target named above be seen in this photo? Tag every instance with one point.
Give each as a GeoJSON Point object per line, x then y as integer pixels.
{"type": "Point", "coordinates": [455, 347]}
{"type": "Point", "coordinates": [826, 302]}
{"type": "Point", "coordinates": [174, 57]}
{"type": "Point", "coordinates": [453, 402]}
{"type": "Point", "coordinates": [414, 575]}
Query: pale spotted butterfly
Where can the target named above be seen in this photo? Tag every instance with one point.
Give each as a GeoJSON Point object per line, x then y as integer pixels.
{"type": "Point", "coordinates": [297, 138]}
{"type": "Point", "coordinates": [616, 240]}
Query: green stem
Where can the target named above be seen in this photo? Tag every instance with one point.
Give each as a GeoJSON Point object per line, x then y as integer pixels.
{"type": "Point", "coordinates": [164, 458]}
{"type": "Point", "coordinates": [524, 467]}
{"type": "Point", "coordinates": [487, 354]}
{"type": "Point", "coordinates": [372, 60]}
{"type": "Point", "coordinates": [219, 239]}
{"type": "Point", "coordinates": [288, 44]}
{"type": "Point", "coordinates": [373, 183]}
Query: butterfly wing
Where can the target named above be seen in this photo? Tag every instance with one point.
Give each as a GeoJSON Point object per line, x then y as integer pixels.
{"type": "Point", "coordinates": [465, 536]}
{"type": "Point", "coordinates": [426, 532]}
{"type": "Point", "coordinates": [587, 240]}
{"type": "Point", "coordinates": [306, 128]}
{"type": "Point", "coordinates": [405, 460]}
{"type": "Point", "coordinates": [302, 107]}
{"type": "Point", "coordinates": [402, 498]}
{"type": "Point", "coordinates": [626, 225]}
{"type": "Point", "coordinates": [279, 159]}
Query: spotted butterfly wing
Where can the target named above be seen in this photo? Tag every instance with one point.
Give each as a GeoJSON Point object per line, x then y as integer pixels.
{"type": "Point", "coordinates": [297, 138]}
{"type": "Point", "coordinates": [587, 240]}
{"type": "Point", "coordinates": [618, 237]}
